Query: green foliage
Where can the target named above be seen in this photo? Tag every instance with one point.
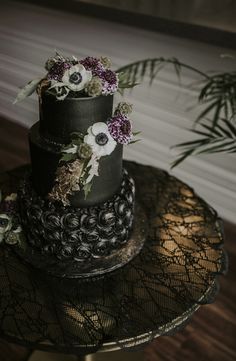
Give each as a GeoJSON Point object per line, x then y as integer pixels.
{"type": "Point", "coordinates": [221, 138]}
{"type": "Point", "coordinates": [67, 157]}
{"type": "Point", "coordinates": [27, 90]}
{"type": "Point", "coordinates": [76, 141]}
{"type": "Point", "coordinates": [87, 188]}
{"type": "Point", "coordinates": [124, 82]}
{"type": "Point", "coordinates": [217, 94]}
{"type": "Point", "coordinates": [134, 73]}
{"type": "Point", "coordinates": [77, 136]}
{"type": "Point", "coordinates": [134, 141]}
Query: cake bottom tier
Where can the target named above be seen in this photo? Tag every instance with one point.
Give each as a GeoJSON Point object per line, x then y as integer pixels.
{"type": "Point", "coordinates": [78, 242]}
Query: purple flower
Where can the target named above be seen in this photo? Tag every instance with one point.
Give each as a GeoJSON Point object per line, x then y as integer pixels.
{"type": "Point", "coordinates": [57, 70]}
{"type": "Point", "coordinates": [9, 206]}
{"type": "Point", "coordinates": [120, 128]}
{"type": "Point", "coordinates": [93, 64]}
{"type": "Point", "coordinates": [108, 77]}
{"type": "Point", "coordinates": [110, 82]}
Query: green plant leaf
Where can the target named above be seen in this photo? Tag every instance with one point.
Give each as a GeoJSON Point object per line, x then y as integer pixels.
{"type": "Point", "coordinates": [127, 85]}
{"type": "Point", "coordinates": [221, 139]}
{"type": "Point", "coordinates": [135, 72]}
{"type": "Point", "coordinates": [87, 189]}
{"type": "Point", "coordinates": [76, 135]}
{"type": "Point", "coordinates": [217, 96]}
{"type": "Point", "coordinates": [181, 158]}
{"type": "Point", "coordinates": [134, 141]}
{"type": "Point", "coordinates": [136, 133]}
{"type": "Point", "coordinates": [27, 90]}
{"type": "Point", "coordinates": [67, 157]}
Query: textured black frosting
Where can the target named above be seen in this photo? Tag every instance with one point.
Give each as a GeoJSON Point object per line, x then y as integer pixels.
{"type": "Point", "coordinates": [77, 234]}
{"type": "Point", "coordinates": [58, 119]}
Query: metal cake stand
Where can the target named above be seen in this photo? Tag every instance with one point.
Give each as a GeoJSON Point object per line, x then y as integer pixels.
{"type": "Point", "coordinates": [154, 294]}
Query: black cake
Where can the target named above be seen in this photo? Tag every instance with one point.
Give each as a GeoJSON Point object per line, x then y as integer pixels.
{"type": "Point", "coordinates": [58, 119]}
{"type": "Point", "coordinates": [77, 203]}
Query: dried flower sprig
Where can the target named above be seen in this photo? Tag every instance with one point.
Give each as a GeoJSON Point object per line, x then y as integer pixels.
{"type": "Point", "coordinates": [79, 162]}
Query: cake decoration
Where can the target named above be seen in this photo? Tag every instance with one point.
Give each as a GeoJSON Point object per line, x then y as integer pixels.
{"type": "Point", "coordinates": [84, 152]}
{"type": "Point", "coordinates": [90, 76]}
{"type": "Point", "coordinates": [75, 233]}
{"type": "Point", "coordinates": [10, 228]}
{"type": "Point", "coordinates": [77, 204]}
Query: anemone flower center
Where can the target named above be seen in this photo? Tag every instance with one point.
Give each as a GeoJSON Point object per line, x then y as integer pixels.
{"type": "Point", "coordinates": [3, 222]}
{"type": "Point", "coordinates": [75, 78]}
{"type": "Point", "coordinates": [101, 139]}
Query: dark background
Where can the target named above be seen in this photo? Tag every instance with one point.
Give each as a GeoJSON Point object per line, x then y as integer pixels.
{"type": "Point", "coordinates": [211, 21]}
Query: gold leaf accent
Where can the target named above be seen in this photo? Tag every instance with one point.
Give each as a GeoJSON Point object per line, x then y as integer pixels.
{"type": "Point", "coordinates": [67, 180]}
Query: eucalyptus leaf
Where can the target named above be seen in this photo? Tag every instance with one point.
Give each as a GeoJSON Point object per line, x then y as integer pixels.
{"type": "Point", "coordinates": [134, 141]}
{"type": "Point", "coordinates": [27, 90]}
{"type": "Point", "coordinates": [65, 147]}
{"type": "Point", "coordinates": [87, 188]}
{"type": "Point", "coordinates": [77, 135]}
{"type": "Point", "coordinates": [77, 141]}
{"type": "Point", "coordinates": [71, 149]}
{"type": "Point", "coordinates": [58, 85]}
{"type": "Point", "coordinates": [67, 157]}
{"type": "Point", "coordinates": [136, 133]}
{"type": "Point", "coordinates": [127, 85]}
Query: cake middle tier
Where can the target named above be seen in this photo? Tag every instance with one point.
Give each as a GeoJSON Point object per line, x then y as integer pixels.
{"type": "Point", "coordinates": [45, 158]}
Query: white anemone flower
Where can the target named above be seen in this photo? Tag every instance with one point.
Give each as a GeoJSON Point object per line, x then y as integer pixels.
{"type": "Point", "coordinates": [76, 77]}
{"type": "Point", "coordinates": [5, 225]}
{"type": "Point", "coordinates": [100, 140]}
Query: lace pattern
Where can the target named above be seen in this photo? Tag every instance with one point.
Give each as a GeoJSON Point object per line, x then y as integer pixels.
{"type": "Point", "coordinates": [154, 294]}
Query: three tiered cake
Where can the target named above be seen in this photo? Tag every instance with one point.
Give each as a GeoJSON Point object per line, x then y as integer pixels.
{"type": "Point", "coordinates": [77, 204]}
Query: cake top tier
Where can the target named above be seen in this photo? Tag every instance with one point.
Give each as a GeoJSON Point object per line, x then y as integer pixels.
{"type": "Point", "coordinates": [71, 77]}
{"type": "Point", "coordinates": [58, 119]}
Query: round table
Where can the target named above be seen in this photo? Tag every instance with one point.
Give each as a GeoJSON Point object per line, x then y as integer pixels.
{"type": "Point", "coordinates": [154, 294]}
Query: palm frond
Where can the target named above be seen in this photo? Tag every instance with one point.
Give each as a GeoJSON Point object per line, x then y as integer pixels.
{"type": "Point", "coordinates": [217, 93]}
{"type": "Point", "coordinates": [134, 73]}
{"type": "Point", "coordinates": [221, 139]}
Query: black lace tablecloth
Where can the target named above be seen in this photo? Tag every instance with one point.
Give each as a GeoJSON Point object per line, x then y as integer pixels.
{"type": "Point", "coordinates": [154, 294]}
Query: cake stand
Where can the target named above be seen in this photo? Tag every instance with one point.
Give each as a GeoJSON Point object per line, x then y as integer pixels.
{"type": "Point", "coordinates": [154, 294]}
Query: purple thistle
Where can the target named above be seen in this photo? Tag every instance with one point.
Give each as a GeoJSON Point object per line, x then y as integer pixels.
{"type": "Point", "coordinates": [120, 128]}
{"type": "Point", "coordinates": [110, 82]}
{"type": "Point", "coordinates": [93, 64]}
{"type": "Point", "coordinates": [58, 69]}
{"type": "Point", "coordinates": [8, 207]}
{"type": "Point", "coordinates": [108, 77]}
